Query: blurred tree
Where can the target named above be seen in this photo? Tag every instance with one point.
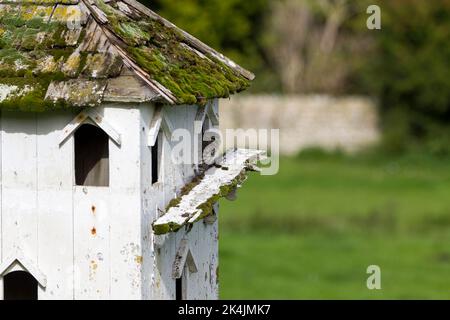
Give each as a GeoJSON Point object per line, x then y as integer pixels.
{"type": "Point", "coordinates": [293, 46]}
{"type": "Point", "coordinates": [409, 72]}
{"type": "Point", "coordinates": [312, 45]}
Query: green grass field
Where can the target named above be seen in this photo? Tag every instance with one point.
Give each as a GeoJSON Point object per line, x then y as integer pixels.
{"type": "Point", "coordinates": [311, 231]}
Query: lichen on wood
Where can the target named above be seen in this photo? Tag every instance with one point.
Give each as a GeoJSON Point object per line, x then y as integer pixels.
{"type": "Point", "coordinates": [197, 199]}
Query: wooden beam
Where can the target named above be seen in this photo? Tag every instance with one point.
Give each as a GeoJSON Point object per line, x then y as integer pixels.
{"type": "Point", "coordinates": [219, 181]}
{"type": "Point", "coordinates": [183, 258]}
{"type": "Point", "coordinates": [155, 126]}
{"type": "Point", "coordinates": [72, 126]}
{"type": "Point", "coordinates": [96, 119]}
{"type": "Point", "coordinates": [18, 262]}
{"type": "Point", "coordinates": [212, 115]}
{"type": "Point", "coordinates": [191, 40]}
{"type": "Point", "coordinates": [200, 118]}
{"type": "Point", "coordinates": [160, 121]}
{"type": "Point", "coordinates": [167, 127]}
{"type": "Point", "coordinates": [119, 45]}
{"type": "Point", "coordinates": [100, 121]}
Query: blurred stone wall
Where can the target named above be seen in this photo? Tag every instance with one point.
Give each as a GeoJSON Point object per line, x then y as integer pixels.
{"type": "Point", "coordinates": [346, 123]}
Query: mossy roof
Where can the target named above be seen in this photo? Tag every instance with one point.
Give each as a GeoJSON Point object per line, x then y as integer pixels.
{"type": "Point", "coordinates": [65, 53]}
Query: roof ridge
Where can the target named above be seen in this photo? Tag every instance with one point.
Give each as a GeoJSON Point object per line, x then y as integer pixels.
{"type": "Point", "coordinates": [194, 44]}
{"type": "Point", "coordinates": [153, 84]}
{"type": "Point", "coordinates": [193, 41]}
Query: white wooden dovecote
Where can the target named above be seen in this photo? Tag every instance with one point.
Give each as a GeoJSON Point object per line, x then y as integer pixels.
{"type": "Point", "coordinates": [80, 217]}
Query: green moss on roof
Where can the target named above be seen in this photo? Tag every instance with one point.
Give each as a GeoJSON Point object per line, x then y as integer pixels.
{"type": "Point", "coordinates": [39, 50]}
{"type": "Point", "coordinates": [35, 52]}
{"type": "Point", "coordinates": [161, 51]}
{"type": "Point", "coordinates": [28, 94]}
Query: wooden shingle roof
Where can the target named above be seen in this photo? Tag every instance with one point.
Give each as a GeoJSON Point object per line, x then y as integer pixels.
{"type": "Point", "coordinates": [79, 53]}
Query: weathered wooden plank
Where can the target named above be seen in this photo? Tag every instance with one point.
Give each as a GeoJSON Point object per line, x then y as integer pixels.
{"type": "Point", "coordinates": [103, 123]}
{"type": "Point", "coordinates": [125, 204]}
{"type": "Point", "coordinates": [92, 243]}
{"type": "Point", "coordinates": [213, 112]}
{"type": "Point", "coordinates": [128, 88]}
{"type": "Point", "coordinates": [97, 119]}
{"type": "Point", "coordinates": [183, 258]}
{"type": "Point", "coordinates": [160, 89]}
{"type": "Point", "coordinates": [1, 189]}
{"type": "Point", "coordinates": [200, 117]}
{"type": "Point", "coordinates": [95, 39]}
{"type": "Point", "coordinates": [217, 182]}
{"type": "Point", "coordinates": [155, 126]}
{"type": "Point", "coordinates": [124, 8]}
{"type": "Point", "coordinates": [72, 126]}
{"type": "Point", "coordinates": [172, 180]}
{"type": "Point", "coordinates": [75, 15]}
{"type": "Point", "coordinates": [18, 262]}
{"type": "Point", "coordinates": [147, 208]}
{"type": "Point", "coordinates": [167, 127]}
{"type": "Point", "coordinates": [77, 92]}
{"type": "Point", "coordinates": [55, 206]}
{"type": "Point", "coordinates": [194, 288]}
{"type": "Point", "coordinates": [104, 31]}
{"type": "Point", "coordinates": [163, 283]}
{"type": "Point", "coordinates": [19, 185]}
{"type": "Point", "coordinates": [98, 14]}
{"type": "Point", "coordinates": [44, 12]}
{"type": "Point", "coordinates": [197, 44]}
{"type": "Point", "coordinates": [182, 117]}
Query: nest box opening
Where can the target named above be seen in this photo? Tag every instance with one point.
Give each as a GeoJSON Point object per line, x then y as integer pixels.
{"type": "Point", "coordinates": [156, 159]}
{"type": "Point", "coordinates": [20, 285]}
{"type": "Point", "coordinates": [91, 156]}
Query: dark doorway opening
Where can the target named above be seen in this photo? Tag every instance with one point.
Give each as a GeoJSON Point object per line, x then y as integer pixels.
{"type": "Point", "coordinates": [91, 156]}
{"type": "Point", "coordinates": [179, 289]}
{"type": "Point", "coordinates": [156, 160]}
{"type": "Point", "coordinates": [20, 285]}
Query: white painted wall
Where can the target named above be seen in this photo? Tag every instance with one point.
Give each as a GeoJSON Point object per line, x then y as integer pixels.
{"type": "Point", "coordinates": [97, 242]}
{"type": "Point", "coordinates": [203, 239]}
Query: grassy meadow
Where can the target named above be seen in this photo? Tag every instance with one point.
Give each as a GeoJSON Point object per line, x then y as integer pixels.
{"type": "Point", "coordinates": [311, 231]}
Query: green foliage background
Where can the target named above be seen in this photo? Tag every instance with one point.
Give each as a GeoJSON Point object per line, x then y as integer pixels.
{"type": "Point", "coordinates": [409, 72]}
